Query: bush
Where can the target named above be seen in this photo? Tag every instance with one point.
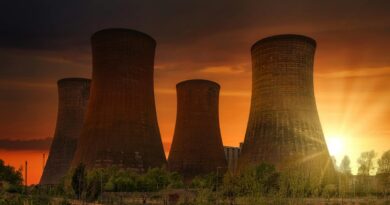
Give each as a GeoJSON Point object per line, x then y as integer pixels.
{"type": "Point", "coordinates": [13, 178]}
{"type": "Point", "coordinates": [259, 180]}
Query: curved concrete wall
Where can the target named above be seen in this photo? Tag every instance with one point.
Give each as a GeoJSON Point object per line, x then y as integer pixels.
{"type": "Point", "coordinates": [121, 126]}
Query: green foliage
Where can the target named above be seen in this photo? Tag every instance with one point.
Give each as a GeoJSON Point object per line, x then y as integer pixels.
{"type": "Point", "coordinates": [175, 180]}
{"type": "Point", "coordinates": [205, 197]}
{"type": "Point", "coordinates": [208, 181]}
{"type": "Point", "coordinates": [94, 184]}
{"type": "Point", "coordinates": [79, 180]}
{"type": "Point", "coordinates": [11, 199]}
{"type": "Point", "coordinates": [260, 180]}
{"type": "Point", "coordinates": [231, 187]}
{"type": "Point", "coordinates": [301, 181]}
{"type": "Point", "coordinates": [12, 177]}
{"type": "Point", "coordinates": [122, 181]}
{"type": "Point", "coordinates": [90, 184]}
{"type": "Point", "coordinates": [158, 179]}
{"type": "Point", "coordinates": [155, 179]}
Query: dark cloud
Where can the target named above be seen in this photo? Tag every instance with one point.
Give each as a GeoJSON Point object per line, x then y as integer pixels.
{"type": "Point", "coordinates": [50, 24]}
{"type": "Point", "coordinates": [33, 144]}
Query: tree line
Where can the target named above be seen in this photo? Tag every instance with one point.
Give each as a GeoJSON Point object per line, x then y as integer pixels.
{"type": "Point", "coordinates": [253, 184]}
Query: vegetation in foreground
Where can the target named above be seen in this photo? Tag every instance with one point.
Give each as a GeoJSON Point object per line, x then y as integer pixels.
{"type": "Point", "coordinates": [261, 184]}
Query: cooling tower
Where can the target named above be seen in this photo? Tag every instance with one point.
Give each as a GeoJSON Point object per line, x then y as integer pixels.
{"type": "Point", "coordinates": [284, 127]}
{"type": "Point", "coordinates": [197, 145]}
{"type": "Point", "coordinates": [73, 94]}
{"type": "Point", "coordinates": [121, 127]}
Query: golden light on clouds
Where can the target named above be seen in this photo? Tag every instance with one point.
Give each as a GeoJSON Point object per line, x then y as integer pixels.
{"type": "Point", "coordinates": [354, 111]}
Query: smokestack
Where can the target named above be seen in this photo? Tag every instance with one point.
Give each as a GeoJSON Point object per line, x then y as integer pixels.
{"type": "Point", "coordinates": [197, 145]}
{"type": "Point", "coordinates": [73, 94]}
{"type": "Point", "coordinates": [284, 127]}
{"type": "Point", "coordinates": [121, 126]}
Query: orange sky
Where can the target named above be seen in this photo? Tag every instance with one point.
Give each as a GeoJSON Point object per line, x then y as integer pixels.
{"type": "Point", "coordinates": [201, 39]}
{"type": "Point", "coordinates": [351, 105]}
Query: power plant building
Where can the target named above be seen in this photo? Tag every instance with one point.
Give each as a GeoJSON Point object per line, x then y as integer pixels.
{"type": "Point", "coordinates": [232, 155]}
{"type": "Point", "coordinates": [121, 126]}
{"type": "Point", "coordinates": [197, 147]}
{"type": "Point", "coordinates": [73, 94]}
{"type": "Point", "coordinates": [284, 128]}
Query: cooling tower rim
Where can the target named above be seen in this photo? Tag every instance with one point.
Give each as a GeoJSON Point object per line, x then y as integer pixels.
{"type": "Point", "coordinates": [285, 37]}
{"type": "Point", "coordinates": [108, 30]}
{"type": "Point", "coordinates": [209, 82]}
{"type": "Point", "coordinates": [66, 80]}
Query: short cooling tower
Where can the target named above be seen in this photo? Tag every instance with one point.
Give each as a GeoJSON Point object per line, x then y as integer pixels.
{"type": "Point", "coordinates": [73, 96]}
{"type": "Point", "coordinates": [121, 126]}
{"type": "Point", "coordinates": [197, 145]}
{"type": "Point", "coordinates": [284, 127]}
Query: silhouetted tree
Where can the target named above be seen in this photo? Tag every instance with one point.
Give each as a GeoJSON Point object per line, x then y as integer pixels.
{"type": "Point", "coordinates": [366, 162]}
{"type": "Point", "coordinates": [11, 176]}
{"type": "Point", "coordinates": [345, 176]}
{"type": "Point", "coordinates": [366, 165]}
{"type": "Point", "coordinates": [383, 173]}
{"type": "Point", "coordinates": [345, 165]}
{"type": "Point", "coordinates": [79, 180]}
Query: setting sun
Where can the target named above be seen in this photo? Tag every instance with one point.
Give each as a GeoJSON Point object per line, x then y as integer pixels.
{"type": "Point", "coordinates": [336, 145]}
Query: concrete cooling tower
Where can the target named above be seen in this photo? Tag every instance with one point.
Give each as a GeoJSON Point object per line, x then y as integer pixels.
{"type": "Point", "coordinates": [197, 145]}
{"type": "Point", "coordinates": [121, 127]}
{"type": "Point", "coordinates": [73, 94]}
{"type": "Point", "coordinates": [284, 127]}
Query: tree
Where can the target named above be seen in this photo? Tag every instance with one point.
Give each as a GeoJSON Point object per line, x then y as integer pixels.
{"type": "Point", "coordinates": [259, 180]}
{"type": "Point", "coordinates": [345, 165]}
{"type": "Point", "coordinates": [175, 180]}
{"type": "Point", "coordinates": [79, 180]}
{"type": "Point", "coordinates": [11, 176]}
{"type": "Point", "coordinates": [384, 172]}
{"type": "Point", "coordinates": [366, 163]}
{"type": "Point", "coordinates": [94, 183]}
{"type": "Point", "coordinates": [384, 163]}
{"type": "Point", "coordinates": [344, 176]}
{"type": "Point", "coordinates": [230, 188]}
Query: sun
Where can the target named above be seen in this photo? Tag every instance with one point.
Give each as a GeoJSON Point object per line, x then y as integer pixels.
{"type": "Point", "coordinates": [335, 145]}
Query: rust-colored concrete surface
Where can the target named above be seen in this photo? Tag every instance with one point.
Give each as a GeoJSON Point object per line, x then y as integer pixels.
{"type": "Point", "coordinates": [121, 126]}
{"type": "Point", "coordinates": [197, 147]}
{"type": "Point", "coordinates": [284, 127]}
{"type": "Point", "coordinates": [73, 94]}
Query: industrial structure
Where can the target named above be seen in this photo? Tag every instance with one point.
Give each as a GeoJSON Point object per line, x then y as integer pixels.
{"type": "Point", "coordinates": [121, 126]}
{"type": "Point", "coordinates": [232, 155]}
{"type": "Point", "coordinates": [284, 127]}
{"type": "Point", "coordinates": [73, 94]}
{"type": "Point", "coordinates": [197, 145]}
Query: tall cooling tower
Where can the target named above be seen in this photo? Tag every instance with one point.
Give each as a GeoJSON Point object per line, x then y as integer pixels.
{"type": "Point", "coordinates": [121, 123]}
{"type": "Point", "coordinates": [284, 127]}
{"type": "Point", "coordinates": [73, 94]}
{"type": "Point", "coordinates": [197, 145]}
